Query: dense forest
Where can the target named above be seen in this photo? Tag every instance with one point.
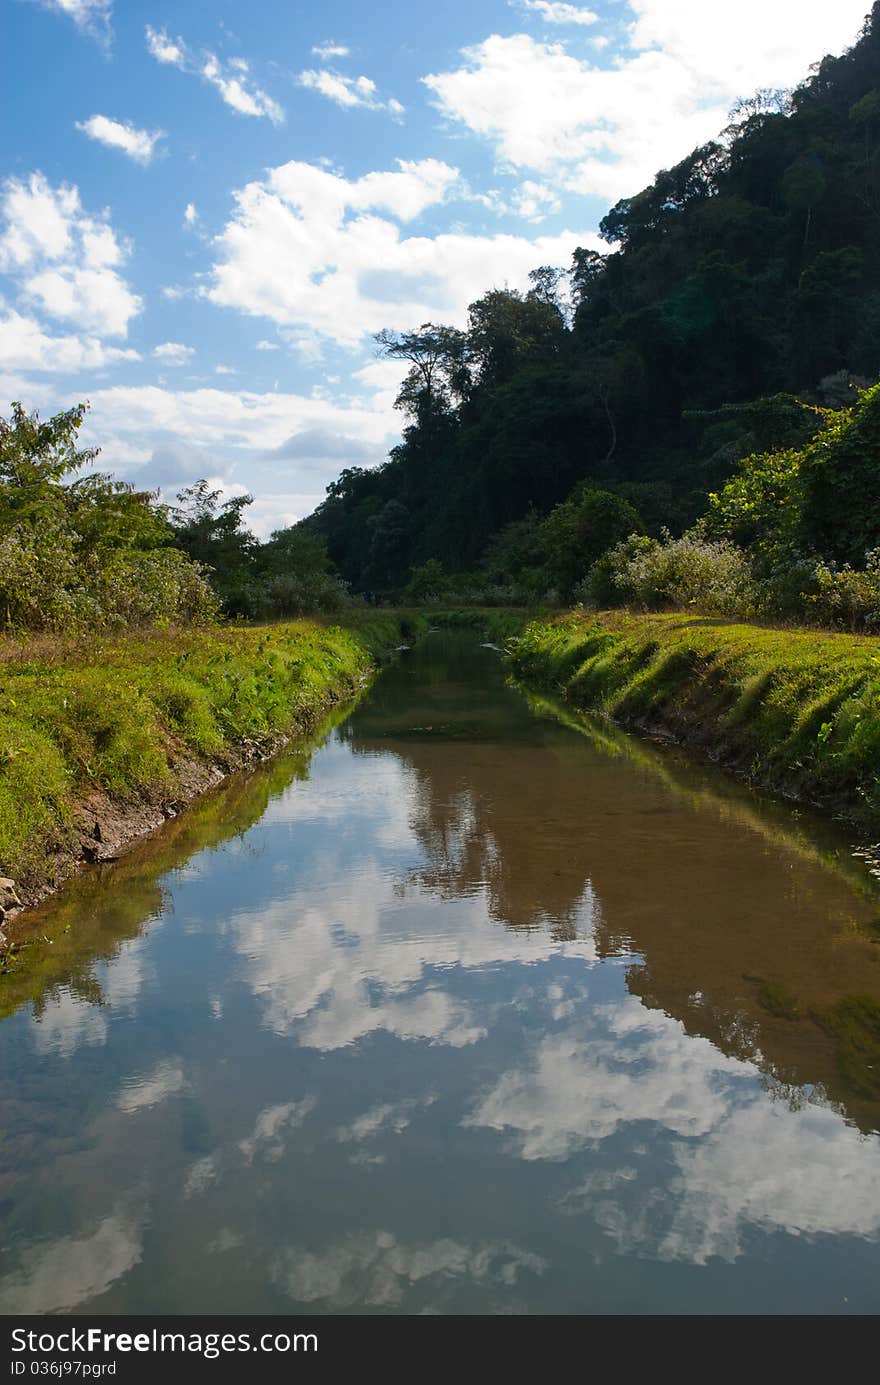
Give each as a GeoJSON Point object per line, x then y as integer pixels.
{"type": "Point", "coordinates": [736, 313]}
{"type": "Point", "coordinates": [688, 420]}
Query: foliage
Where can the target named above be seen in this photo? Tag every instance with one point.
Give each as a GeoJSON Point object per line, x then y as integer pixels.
{"type": "Point", "coordinates": [845, 597]}
{"type": "Point", "coordinates": [123, 714]}
{"type": "Point", "coordinates": [738, 296]}
{"type": "Point", "coordinates": [428, 583]}
{"type": "Point", "coordinates": [796, 710]}
{"type": "Point", "coordinates": [690, 571]}
{"type": "Point", "coordinates": [214, 534]}
{"type": "Point", "coordinates": [577, 532]}
{"type": "Point", "coordinates": [85, 553]}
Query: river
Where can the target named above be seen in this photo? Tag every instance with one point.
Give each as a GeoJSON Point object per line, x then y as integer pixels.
{"type": "Point", "coordinates": [463, 1008]}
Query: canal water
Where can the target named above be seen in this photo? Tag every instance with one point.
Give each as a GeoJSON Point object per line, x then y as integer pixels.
{"type": "Point", "coordinates": [465, 1008]}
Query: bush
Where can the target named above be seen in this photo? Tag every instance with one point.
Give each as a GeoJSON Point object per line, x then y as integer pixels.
{"type": "Point", "coordinates": [686, 572]}
{"type": "Point", "coordinates": [428, 584]}
{"type": "Point", "coordinates": [576, 533]}
{"type": "Point", "coordinates": [846, 597]}
{"type": "Point", "coordinates": [88, 555]}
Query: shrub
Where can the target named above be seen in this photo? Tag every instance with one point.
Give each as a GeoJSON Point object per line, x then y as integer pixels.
{"type": "Point", "coordinates": [91, 554]}
{"type": "Point", "coordinates": [577, 532]}
{"type": "Point", "coordinates": [846, 597]}
{"type": "Point", "coordinates": [691, 571]}
{"type": "Point", "coordinates": [427, 584]}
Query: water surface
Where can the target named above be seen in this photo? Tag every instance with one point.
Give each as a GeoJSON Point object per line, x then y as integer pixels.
{"type": "Point", "coordinates": [462, 1010]}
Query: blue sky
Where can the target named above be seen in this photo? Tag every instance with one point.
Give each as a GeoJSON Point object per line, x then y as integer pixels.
{"type": "Point", "coordinates": [208, 208]}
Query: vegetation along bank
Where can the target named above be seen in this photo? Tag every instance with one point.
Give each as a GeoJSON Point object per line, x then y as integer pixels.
{"type": "Point", "coordinates": [102, 740]}
{"type": "Point", "coordinates": [794, 711]}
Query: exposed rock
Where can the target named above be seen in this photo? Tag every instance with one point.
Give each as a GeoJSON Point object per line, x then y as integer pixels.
{"type": "Point", "coordinates": [8, 894]}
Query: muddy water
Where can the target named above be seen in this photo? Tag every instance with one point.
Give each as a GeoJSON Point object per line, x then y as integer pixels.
{"type": "Point", "coordinates": [462, 1010]}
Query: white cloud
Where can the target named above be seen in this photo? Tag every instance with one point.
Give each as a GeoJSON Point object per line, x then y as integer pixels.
{"type": "Point", "coordinates": [579, 1088]}
{"type": "Point", "coordinates": [139, 145]}
{"type": "Point", "coordinates": [330, 49]}
{"type": "Point", "coordinates": [190, 215]}
{"type": "Point", "coordinates": [375, 1268]}
{"type": "Point", "coordinates": [267, 1137]}
{"type": "Point", "coordinates": [376, 962]}
{"type": "Point", "coordinates": [65, 1024]}
{"type": "Point", "coordinates": [25, 345]}
{"type": "Point", "coordinates": [534, 201]}
{"type": "Point", "coordinates": [555, 12]}
{"type": "Point", "coordinates": [165, 49]}
{"type": "Point", "coordinates": [237, 93]}
{"type": "Point", "coordinates": [348, 91]}
{"type": "Point", "coordinates": [386, 1118]}
{"type": "Point", "coordinates": [738, 1161]}
{"type": "Point", "coordinates": [54, 1277]}
{"type": "Point", "coordinates": [268, 345]}
{"type": "Point", "coordinates": [149, 1089]}
{"type": "Point", "coordinates": [606, 131]}
{"type": "Point", "coordinates": [231, 79]}
{"type": "Point", "coordinates": [173, 353]}
{"type": "Point", "coordinates": [308, 250]}
{"type": "Point", "coordinates": [90, 16]}
{"type": "Point", "coordinates": [160, 436]}
{"type": "Point", "coordinates": [65, 262]}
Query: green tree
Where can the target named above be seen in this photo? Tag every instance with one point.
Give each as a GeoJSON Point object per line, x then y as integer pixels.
{"type": "Point", "coordinates": [577, 532]}
{"type": "Point", "coordinates": [89, 552]}
{"type": "Point", "coordinates": [214, 534]}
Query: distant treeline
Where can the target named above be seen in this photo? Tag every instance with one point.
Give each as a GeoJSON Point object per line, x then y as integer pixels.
{"type": "Point", "coordinates": [733, 321]}
{"type": "Point", "coordinates": [688, 419]}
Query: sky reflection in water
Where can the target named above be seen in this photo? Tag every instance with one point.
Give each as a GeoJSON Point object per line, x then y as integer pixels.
{"type": "Point", "coordinates": [465, 1021]}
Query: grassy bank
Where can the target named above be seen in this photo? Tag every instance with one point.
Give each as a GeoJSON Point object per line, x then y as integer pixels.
{"type": "Point", "coordinates": [796, 711]}
{"type": "Point", "coordinates": [130, 720]}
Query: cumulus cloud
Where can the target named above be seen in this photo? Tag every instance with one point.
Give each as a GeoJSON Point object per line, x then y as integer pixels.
{"type": "Point", "coordinates": [310, 250]}
{"type": "Point", "coordinates": [55, 1277]}
{"type": "Point", "coordinates": [156, 435]}
{"type": "Point", "coordinates": [190, 215]}
{"type": "Point", "coordinates": [606, 131]}
{"type": "Point", "coordinates": [173, 353]}
{"type": "Point", "coordinates": [534, 201]}
{"type": "Point", "coordinates": [25, 345]}
{"type": "Point", "coordinates": [348, 91]}
{"type": "Point", "coordinates": [65, 261]}
{"type": "Point", "coordinates": [375, 963]}
{"type": "Point", "coordinates": [139, 145]}
{"type": "Point", "coordinates": [231, 78]}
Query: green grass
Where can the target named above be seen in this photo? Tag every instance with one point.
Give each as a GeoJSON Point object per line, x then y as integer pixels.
{"type": "Point", "coordinates": [118, 714]}
{"type": "Point", "coordinates": [797, 711]}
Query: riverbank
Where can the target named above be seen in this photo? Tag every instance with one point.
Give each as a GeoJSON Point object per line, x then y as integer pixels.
{"type": "Point", "coordinates": [794, 711]}
{"type": "Point", "coordinates": [101, 741]}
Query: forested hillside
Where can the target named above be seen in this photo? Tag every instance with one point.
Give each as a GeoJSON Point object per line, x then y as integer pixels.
{"type": "Point", "coordinates": [740, 282]}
